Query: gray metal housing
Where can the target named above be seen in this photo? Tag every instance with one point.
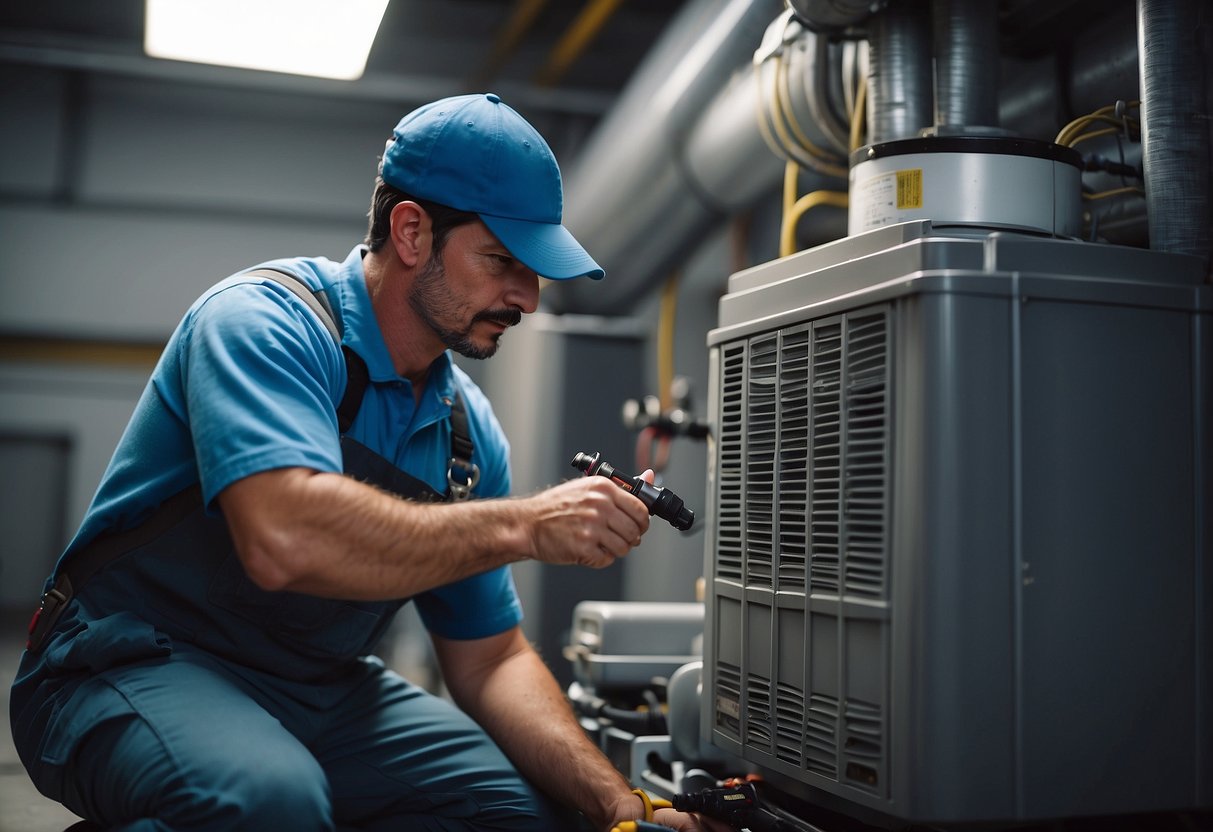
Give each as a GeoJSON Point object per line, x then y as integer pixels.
{"type": "Point", "coordinates": [959, 539]}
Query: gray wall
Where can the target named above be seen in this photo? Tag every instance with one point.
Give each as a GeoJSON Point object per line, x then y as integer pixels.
{"type": "Point", "coordinates": [121, 199]}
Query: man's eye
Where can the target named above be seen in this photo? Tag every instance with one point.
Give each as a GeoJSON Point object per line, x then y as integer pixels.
{"type": "Point", "coordinates": [503, 260]}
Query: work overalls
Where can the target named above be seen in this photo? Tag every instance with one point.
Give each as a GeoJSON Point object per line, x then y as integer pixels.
{"type": "Point", "coordinates": [173, 693]}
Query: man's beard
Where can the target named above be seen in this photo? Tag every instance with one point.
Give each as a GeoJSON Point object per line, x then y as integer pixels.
{"type": "Point", "coordinates": [432, 300]}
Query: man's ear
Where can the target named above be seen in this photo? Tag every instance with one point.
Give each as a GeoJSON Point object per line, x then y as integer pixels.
{"type": "Point", "coordinates": [411, 233]}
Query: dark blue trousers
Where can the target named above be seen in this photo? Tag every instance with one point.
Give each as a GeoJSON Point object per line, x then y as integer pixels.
{"type": "Point", "coordinates": [132, 730]}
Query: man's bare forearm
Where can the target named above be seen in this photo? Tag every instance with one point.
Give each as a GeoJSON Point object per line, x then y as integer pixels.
{"type": "Point", "coordinates": [330, 535]}
{"type": "Point", "coordinates": [516, 699]}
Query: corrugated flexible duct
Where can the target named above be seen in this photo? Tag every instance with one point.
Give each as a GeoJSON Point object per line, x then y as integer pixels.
{"type": "Point", "coordinates": [966, 63]}
{"type": "Point", "coordinates": [899, 72]}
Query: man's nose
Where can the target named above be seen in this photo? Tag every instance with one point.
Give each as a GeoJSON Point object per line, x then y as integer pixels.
{"type": "Point", "coordinates": [523, 293]}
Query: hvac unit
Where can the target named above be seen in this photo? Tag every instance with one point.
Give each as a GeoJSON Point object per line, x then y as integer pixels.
{"type": "Point", "coordinates": [959, 540]}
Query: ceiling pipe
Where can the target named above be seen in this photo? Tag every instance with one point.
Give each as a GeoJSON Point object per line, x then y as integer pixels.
{"type": "Point", "coordinates": [675, 155]}
{"type": "Point", "coordinates": [900, 98]}
{"type": "Point", "coordinates": [966, 64]}
{"type": "Point", "coordinates": [629, 199]}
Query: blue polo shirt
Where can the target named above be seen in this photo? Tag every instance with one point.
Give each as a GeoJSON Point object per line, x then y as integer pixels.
{"type": "Point", "coordinates": [249, 382]}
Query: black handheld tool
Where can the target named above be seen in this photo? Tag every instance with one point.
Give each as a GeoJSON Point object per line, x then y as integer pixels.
{"type": "Point", "coordinates": [661, 502]}
{"type": "Point", "coordinates": [739, 807]}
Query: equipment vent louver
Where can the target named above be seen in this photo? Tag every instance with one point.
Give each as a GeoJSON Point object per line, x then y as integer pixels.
{"type": "Point", "coordinates": [827, 457]}
{"type": "Point", "coordinates": [862, 746]}
{"type": "Point", "coordinates": [789, 728]}
{"type": "Point", "coordinates": [866, 444]}
{"type": "Point", "coordinates": [730, 443]}
{"type": "Point", "coordinates": [728, 688]}
{"type": "Point", "coordinates": [758, 712]}
{"type": "Point", "coordinates": [761, 442]}
{"type": "Point", "coordinates": [802, 490]}
{"type": "Point", "coordinates": [793, 458]}
{"type": "Point", "coordinates": [821, 738]}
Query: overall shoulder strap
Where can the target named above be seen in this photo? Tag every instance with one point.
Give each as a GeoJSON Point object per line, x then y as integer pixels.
{"type": "Point", "coordinates": [317, 301]}
{"type": "Point", "coordinates": [462, 473]}
{"type": "Point", "coordinates": [357, 376]}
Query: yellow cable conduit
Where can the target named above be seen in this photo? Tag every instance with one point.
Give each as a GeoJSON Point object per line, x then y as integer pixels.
{"type": "Point", "coordinates": [583, 30]}
{"type": "Point", "coordinates": [522, 18]}
{"type": "Point", "coordinates": [794, 209]}
{"type": "Point", "coordinates": [665, 341]}
{"type": "Point", "coordinates": [1073, 134]}
{"type": "Point", "coordinates": [780, 129]}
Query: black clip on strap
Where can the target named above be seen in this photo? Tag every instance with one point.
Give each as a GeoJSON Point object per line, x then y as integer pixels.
{"type": "Point", "coordinates": [49, 608]}
{"type": "Point", "coordinates": [461, 474]}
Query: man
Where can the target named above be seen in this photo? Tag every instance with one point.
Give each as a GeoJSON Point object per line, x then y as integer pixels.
{"type": "Point", "coordinates": [199, 659]}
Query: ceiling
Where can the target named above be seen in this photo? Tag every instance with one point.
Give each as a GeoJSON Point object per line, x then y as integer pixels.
{"type": "Point", "coordinates": [560, 59]}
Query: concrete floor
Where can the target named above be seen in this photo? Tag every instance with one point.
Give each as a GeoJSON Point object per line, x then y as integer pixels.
{"type": "Point", "coordinates": [22, 809]}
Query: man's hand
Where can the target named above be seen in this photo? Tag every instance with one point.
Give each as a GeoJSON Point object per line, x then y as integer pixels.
{"type": "Point", "coordinates": [631, 808]}
{"type": "Point", "coordinates": [588, 521]}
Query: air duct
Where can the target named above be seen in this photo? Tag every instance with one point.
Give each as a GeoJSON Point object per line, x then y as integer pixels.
{"type": "Point", "coordinates": [966, 64]}
{"type": "Point", "coordinates": [899, 72]}
{"type": "Point", "coordinates": [631, 199]}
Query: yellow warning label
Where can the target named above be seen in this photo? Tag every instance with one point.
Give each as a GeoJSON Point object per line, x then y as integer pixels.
{"type": "Point", "coordinates": [909, 188]}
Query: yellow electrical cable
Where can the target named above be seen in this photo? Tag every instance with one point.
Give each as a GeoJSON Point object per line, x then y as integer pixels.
{"type": "Point", "coordinates": [859, 114]}
{"type": "Point", "coordinates": [1105, 114]}
{"type": "Point", "coordinates": [1114, 192]}
{"type": "Point", "coordinates": [782, 146]}
{"type": "Point", "coordinates": [788, 148]}
{"type": "Point", "coordinates": [1081, 122]}
{"type": "Point", "coordinates": [787, 237]}
{"type": "Point", "coordinates": [763, 127]}
{"type": "Point", "coordinates": [791, 177]}
{"type": "Point", "coordinates": [665, 340]}
{"type": "Point", "coordinates": [817, 159]}
{"type": "Point", "coordinates": [1094, 134]}
{"type": "Point", "coordinates": [783, 95]}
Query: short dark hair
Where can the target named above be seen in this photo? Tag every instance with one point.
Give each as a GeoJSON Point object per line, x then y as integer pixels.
{"type": "Point", "coordinates": [444, 219]}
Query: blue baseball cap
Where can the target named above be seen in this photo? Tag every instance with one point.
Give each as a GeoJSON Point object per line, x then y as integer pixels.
{"type": "Point", "coordinates": [475, 153]}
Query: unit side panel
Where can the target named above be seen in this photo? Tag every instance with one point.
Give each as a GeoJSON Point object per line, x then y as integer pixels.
{"type": "Point", "coordinates": [1110, 559]}
{"type": "Point", "coordinates": [954, 571]}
